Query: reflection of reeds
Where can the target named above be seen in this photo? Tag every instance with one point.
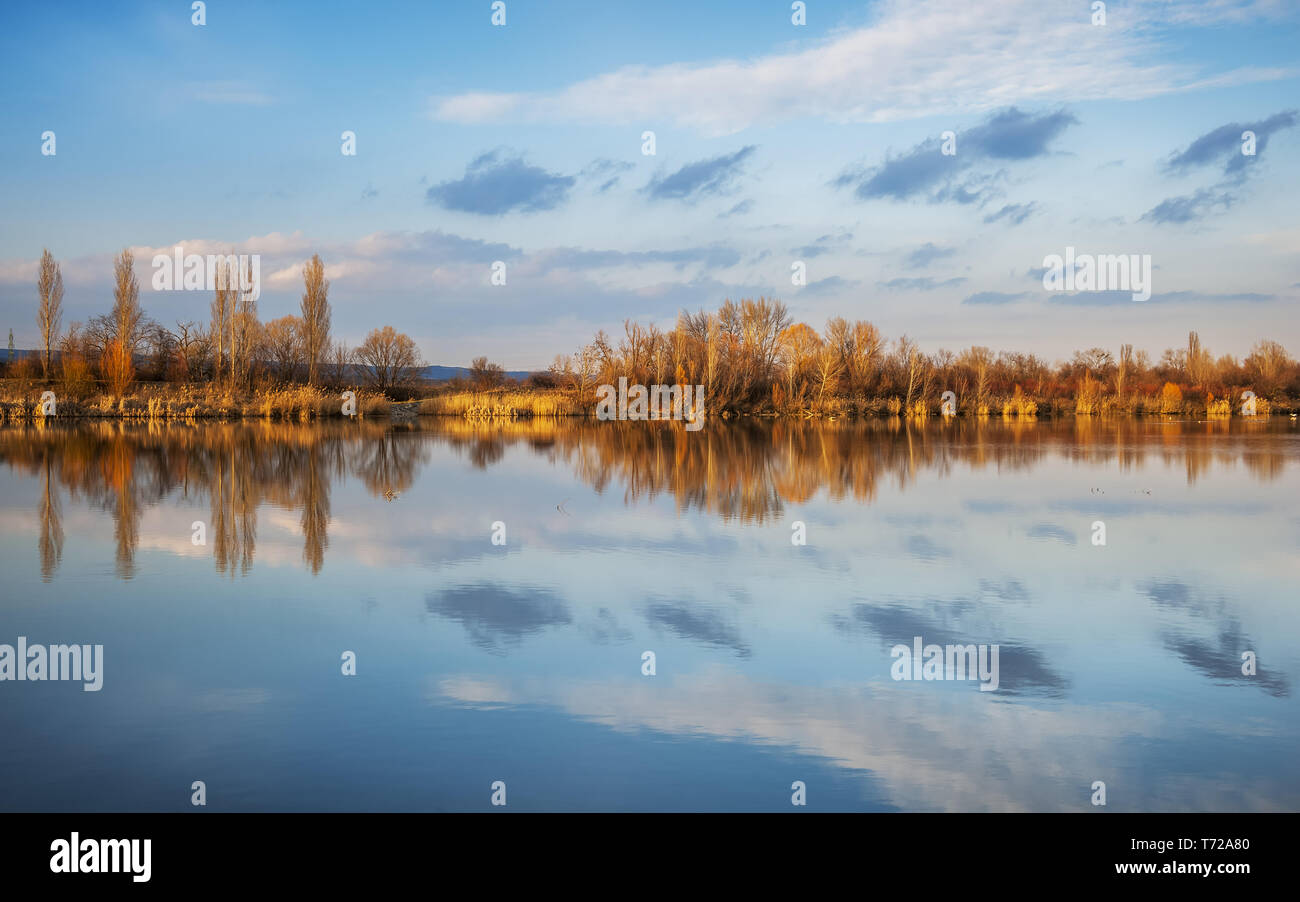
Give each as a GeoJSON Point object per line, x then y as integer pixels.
{"type": "Point", "coordinates": [747, 469]}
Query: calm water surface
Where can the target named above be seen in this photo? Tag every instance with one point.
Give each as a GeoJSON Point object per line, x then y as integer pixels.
{"type": "Point", "coordinates": [522, 662]}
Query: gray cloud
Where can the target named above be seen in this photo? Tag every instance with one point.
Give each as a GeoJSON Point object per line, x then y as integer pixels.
{"type": "Point", "coordinates": [1013, 135]}
{"type": "Point", "coordinates": [739, 209]}
{"type": "Point", "coordinates": [1013, 213]}
{"type": "Point", "coordinates": [1022, 670]}
{"type": "Point", "coordinates": [923, 283]}
{"type": "Point", "coordinates": [608, 172]}
{"type": "Point", "coordinates": [1120, 298]}
{"type": "Point", "coordinates": [926, 254]}
{"type": "Point", "coordinates": [1051, 531]}
{"type": "Point", "coordinates": [689, 621]}
{"type": "Point", "coordinates": [578, 258]}
{"type": "Point", "coordinates": [699, 179]}
{"type": "Point", "coordinates": [1224, 144]}
{"type": "Point", "coordinates": [1189, 207]}
{"type": "Point", "coordinates": [494, 615]}
{"type": "Point", "coordinates": [823, 245]}
{"type": "Point", "coordinates": [828, 285]}
{"type": "Point", "coordinates": [993, 297]}
{"type": "Point", "coordinates": [495, 184]}
{"type": "Point", "coordinates": [1010, 135]}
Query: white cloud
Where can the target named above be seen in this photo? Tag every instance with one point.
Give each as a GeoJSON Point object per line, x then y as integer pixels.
{"type": "Point", "coordinates": [915, 59]}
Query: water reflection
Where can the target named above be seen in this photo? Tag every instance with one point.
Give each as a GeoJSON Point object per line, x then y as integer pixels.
{"type": "Point", "coordinates": [523, 661]}
{"type": "Point", "coordinates": [123, 469]}
{"type": "Point", "coordinates": [749, 471]}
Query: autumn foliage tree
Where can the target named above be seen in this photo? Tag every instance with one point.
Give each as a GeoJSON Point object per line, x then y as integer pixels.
{"type": "Point", "coordinates": [117, 367]}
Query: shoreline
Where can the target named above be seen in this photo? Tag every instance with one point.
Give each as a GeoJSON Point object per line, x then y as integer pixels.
{"type": "Point", "coordinates": [307, 404]}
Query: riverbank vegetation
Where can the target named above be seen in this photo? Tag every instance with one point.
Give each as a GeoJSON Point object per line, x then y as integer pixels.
{"type": "Point", "coordinates": [750, 356]}
{"type": "Point", "coordinates": [126, 364]}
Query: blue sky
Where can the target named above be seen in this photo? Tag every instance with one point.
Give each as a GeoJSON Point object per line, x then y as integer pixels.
{"type": "Point", "coordinates": [775, 143]}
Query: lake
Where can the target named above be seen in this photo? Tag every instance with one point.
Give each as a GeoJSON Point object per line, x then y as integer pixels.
{"type": "Point", "coordinates": [498, 585]}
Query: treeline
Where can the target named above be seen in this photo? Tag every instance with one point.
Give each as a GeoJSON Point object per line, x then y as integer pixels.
{"type": "Point", "coordinates": [234, 348]}
{"type": "Point", "coordinates": [751, 357]}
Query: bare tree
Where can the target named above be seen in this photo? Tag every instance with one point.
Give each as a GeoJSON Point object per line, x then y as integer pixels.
{"type": "Point", "coordinates": [245, 330]}
{"type": "Point", "coordinates": [800, 345]}
{"type": "Point", "coordinates": [222, 313]}
{"type": "Point", "coordinates": [1199, 361]}
{"type": "Point", "coordinates": [49, 285]}
{"type": "Point", "coordinates": [761, 324]}
{"type": "Point", "coordinates": [827, 360]}
{"type": "Point", "coordinates": [912, 364]}
{"type": "Point", "coordinates": [284, 346]}
{"type": "Point", "coordinates": [1097, 361]}
{"type": "Point", "coordinates": [388, 358]}
{"type": "Point", "coordinates": [161, 344]}
{"type": "Point", "coordinates": [74, 370]}
{"type": "Point", "coordinates": [342, 358]}
{"type": "Point", "coordinates": [1123, 368]}
{"type": "Point", "coordinates": [979, 360]}
{"type": "Point", "coordinates": [191, 345]}
{"type": "Point", "coordinates": [1266, 364]}
{"type": "Point", "coordinates": [315, 316]}
{"type": "Point", "coordinates": [127, 317]}
{"type": "Point", "coordinates": [864, 360]}
{"type": "Point", "coordinates": [484, 374]}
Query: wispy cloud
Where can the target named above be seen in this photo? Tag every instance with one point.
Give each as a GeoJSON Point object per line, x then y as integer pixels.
{"type": "Point", "coordinates": [701, 178]}
{"type": "Point", "coordinates": [1013, 213]}
{"type": "Point", "coordinates": [825, 244]}
{"type": "Point", "coordinates": [1121, 298]}
{"type": "Point", "coordinates": [994, 297]}
{"type": "Point", "coordinates": [606, 173]}
{"type": "Point", "coordinates": [926, 254]}
{"type": "Point", "coordinates": [739, 209]}
{"type": "Point", "coordinates": [1189, 207]}
{"type": "Point", "coordinates": [923, 283]}
{"type": "Point", "coordinates": [916, 58]}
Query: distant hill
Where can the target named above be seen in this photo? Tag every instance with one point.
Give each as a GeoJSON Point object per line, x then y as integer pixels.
{"type": "Point", "coordinates": [20, 353]}
{"type": "Point", "coordinates": [432, 373]}
{"type": "Point", "coordinates": [443, 373]}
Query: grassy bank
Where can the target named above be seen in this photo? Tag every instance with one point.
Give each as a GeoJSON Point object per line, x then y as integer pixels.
{"type": "Point", "coordinates": [521, 402]}
{"type": "Point", "coordinates": [508, 403]}
{"type": "Point", "coordinates": [300, 403]}
{"type": "Point", "coordinates": [203, 401]}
